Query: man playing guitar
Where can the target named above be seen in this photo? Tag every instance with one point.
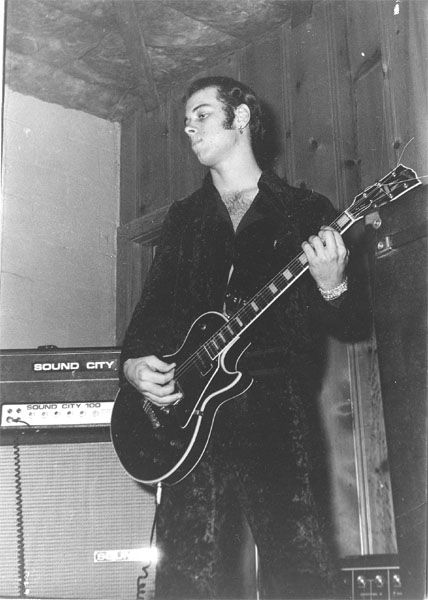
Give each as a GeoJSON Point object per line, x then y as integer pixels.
{"type": "Point", "coordinates": [217, 248]}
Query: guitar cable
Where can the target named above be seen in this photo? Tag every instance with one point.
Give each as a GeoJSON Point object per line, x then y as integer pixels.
{"type": "Point", "coordinates": [22, 572]}
{"type": "Point", "coordinates": [141, 580]}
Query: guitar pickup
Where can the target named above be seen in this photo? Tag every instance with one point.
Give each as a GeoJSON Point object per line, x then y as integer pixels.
{"type": "Point", "coordinates": [203, 362]}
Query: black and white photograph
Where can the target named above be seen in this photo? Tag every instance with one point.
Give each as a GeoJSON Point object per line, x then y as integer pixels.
{"type": "Point", "coordinates": [213, 300]}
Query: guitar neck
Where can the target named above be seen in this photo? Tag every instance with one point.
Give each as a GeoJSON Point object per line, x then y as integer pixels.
{"type": "Point", "coordinates": [267, 295]}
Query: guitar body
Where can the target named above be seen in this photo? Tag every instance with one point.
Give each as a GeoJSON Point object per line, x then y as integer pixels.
{"type": "Point", "coordinates": [164, 445]}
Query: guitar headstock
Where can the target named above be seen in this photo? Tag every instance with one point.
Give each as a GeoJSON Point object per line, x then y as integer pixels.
{"type": "Point", "coordinates": [397, 182]}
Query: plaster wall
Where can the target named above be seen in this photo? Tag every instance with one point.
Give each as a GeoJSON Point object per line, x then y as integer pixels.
{"type": "Point", "coordinates": [59, 218]}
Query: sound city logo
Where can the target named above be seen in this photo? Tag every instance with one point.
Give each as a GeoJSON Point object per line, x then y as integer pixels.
{"type": "Point", "coordinates": [89, 365]}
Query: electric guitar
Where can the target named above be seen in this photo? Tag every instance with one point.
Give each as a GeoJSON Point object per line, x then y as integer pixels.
{"type": "Point", "coordinates": [164, 445]}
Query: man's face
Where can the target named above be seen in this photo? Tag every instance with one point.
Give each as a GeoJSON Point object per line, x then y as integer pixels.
{"type": "Point", "coordinates": [205, 125]}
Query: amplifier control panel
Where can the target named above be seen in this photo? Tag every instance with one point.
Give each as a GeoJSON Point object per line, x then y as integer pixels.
{"type": "Point", "coordinates": [373, 577]}
{"type": "Point", "coordinates": [60, 414]}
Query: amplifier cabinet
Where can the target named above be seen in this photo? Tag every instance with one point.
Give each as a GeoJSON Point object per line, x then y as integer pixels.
{"type": "Point", "coordinates": [69, 517]}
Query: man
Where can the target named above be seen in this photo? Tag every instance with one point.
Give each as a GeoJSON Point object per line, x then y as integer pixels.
{"type": "Point", "coordinates": [222, 243]}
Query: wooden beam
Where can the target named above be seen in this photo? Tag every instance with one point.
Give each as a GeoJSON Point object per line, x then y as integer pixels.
{"type": "Point", "coordinates": [132, 35]}
{"type": "Point", "coordinates": [145, 229]}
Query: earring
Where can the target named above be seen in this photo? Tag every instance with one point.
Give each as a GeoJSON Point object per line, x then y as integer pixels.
{"type": "Point", "coordinates": [241, 130]}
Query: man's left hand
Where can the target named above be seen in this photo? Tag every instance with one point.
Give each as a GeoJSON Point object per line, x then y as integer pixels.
{"type": "Point", "coordinates": [327, 258]}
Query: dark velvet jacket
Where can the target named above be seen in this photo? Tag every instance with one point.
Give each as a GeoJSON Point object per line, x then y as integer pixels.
{"type": "Point", "coordinates": [267, 439]}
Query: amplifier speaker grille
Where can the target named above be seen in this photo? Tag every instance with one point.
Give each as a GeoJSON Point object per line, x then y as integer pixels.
{"type": "Point", "coordinates": [73, 499]}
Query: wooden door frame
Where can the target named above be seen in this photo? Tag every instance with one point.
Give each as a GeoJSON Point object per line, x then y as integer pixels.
{"type": "Point", "coordinates": [131, 267]}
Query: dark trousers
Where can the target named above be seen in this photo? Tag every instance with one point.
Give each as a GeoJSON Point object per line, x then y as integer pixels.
{"type": "Point", "coordinates": [200, 532]}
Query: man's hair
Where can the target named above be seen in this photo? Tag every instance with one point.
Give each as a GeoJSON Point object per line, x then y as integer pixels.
{"type": "Point", "coordinates": [232, 93]}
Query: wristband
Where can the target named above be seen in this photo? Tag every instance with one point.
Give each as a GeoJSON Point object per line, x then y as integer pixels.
{"type": "Point", "coordinates": [335, 292]}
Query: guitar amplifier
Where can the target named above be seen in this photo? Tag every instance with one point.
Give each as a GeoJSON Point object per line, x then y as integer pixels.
{"type": "Point", "coordinates": [373, 577]}
{"type": "Point", "coordinates": [51, 394]}
{"type": "Point", "coordinates": [73, 524]}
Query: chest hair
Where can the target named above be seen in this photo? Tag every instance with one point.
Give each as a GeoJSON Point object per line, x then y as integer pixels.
{"type": "Point", "coordinates": [237, 203]}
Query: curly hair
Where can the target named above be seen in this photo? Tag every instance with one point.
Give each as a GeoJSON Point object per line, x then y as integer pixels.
{"type": "Point", "coordinates": [233, 93]}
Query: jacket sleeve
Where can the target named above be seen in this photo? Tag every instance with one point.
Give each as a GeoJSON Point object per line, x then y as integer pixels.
{"type": "Point", "coordinates": [347, 318]}
{"type": "Point", "coordinates": [151, 321]}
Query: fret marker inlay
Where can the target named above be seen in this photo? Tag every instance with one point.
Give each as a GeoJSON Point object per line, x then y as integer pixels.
{"type": "Point", "coordinates": [343, 219]}
{"type": "Point", "coordinates": [273, 288]}
{"type": "Point", "coordinates": [254, 305]}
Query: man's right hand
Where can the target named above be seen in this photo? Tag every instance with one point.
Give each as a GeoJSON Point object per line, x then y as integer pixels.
{"type": "Point", "coordinates": [153, 378]}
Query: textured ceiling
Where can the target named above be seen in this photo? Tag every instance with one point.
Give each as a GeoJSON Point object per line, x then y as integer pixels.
{"type": "Point", "coordinates": [110, 57]}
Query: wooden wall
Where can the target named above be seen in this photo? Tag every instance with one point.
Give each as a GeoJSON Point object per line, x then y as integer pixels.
{"type": "Point", "coordinates": [345, 84]}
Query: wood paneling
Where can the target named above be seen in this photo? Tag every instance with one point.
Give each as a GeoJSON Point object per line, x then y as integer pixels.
{"type": "Point", "coordinates": [378, 534]}
{"type": "Point", "coordinates": [153, 161]}
{"type": "Point", "coordinates": [371, 126]}
{"type": "Point", "coordinates": [262, 69]}
{"type": "Point", "coordinates": [311, 108]}
{"type": "Point", "coordinates": [404, 51]}
{"type": "Point", "coordinates": [389, 74]}
{"type": "Point", "coordinates": [363, 40]}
